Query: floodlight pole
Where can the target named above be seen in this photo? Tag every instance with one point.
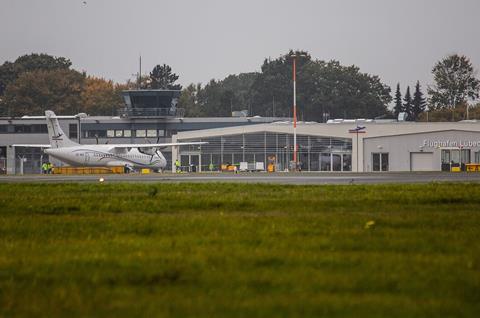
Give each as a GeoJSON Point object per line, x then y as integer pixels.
{"type": "Point", "coordinates": [295, 110]}
{"type": "Point", "coordinates": [295, 146]}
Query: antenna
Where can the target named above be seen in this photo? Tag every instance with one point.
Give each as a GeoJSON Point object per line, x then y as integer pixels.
{"type": "Point", "coordinates": [140, 73]}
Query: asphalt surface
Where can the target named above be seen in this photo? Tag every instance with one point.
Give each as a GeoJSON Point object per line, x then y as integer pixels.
{"type": "Point", "coordinates": [278, 178]}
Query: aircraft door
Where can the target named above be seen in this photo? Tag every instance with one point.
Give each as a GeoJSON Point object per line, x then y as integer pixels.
{"type": "Point", "coordinates": [87, 158]}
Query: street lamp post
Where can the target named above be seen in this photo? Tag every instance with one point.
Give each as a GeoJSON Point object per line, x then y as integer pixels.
{"type": "Point", "coordinates": [79, 117]}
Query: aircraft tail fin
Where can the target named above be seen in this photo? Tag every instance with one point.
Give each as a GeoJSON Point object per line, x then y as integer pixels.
{"type": "Point", "coordinates": [57, 137]}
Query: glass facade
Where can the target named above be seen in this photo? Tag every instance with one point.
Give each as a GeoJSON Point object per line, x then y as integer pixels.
{"type": "Point", "coordinates": [24, 129]}
{"type": "Point", "coordinates": [315, 153]}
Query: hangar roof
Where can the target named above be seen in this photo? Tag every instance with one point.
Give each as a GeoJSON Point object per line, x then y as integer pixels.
{"type": "Point", "coordinates": [340, 129]}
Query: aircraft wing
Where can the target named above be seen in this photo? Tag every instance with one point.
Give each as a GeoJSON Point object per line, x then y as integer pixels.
{"type": "Point", "coordinates": [32, 145]}
{"type": "Point", "coordinates": [164, 145]}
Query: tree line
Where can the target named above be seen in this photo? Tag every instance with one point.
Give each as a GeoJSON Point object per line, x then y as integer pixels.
{"type": "Point", "coordinates": [326, 89]}
{"type": "Point", "coordinates": [36, 82]}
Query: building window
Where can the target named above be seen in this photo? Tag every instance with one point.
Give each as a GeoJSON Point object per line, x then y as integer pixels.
{"type": "Point", "coordinates": [73, 131]}
{"type": "Point", "coordinates": [380, 161]}
{"type": "Point", "coordinates": [161, 132]}
{"type": "Point", "coordinates": [170, 133]}
{"type": "Point", "coordinates": [477, 157]}
{"type": "Point", "coordinates": [110, 133]}
{"type": "Point", "coordinates": [95, 134]}
{"type": "Point", "coordinates": [140, 133]}
{"type": "Point", "coordinates": [22, 129]}
{"type": "Point", "coordinates": [38, 129]}
{"type": "Point", "coordinates": [127, 133]}
{"type": "Point", "coordinates": [151, 133]}
{"type": "Point", "coordinates": [118, 133]}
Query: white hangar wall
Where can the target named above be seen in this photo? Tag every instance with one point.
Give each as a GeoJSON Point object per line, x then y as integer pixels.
{"type": "Point", "coordinates": [403, 149]}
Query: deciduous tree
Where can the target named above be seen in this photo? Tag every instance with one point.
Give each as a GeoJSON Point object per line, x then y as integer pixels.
{"type": "Point", "coordinates": [34, 92]}
{"type": "Point", "coordinates": [9, 72]}
{"type": "Point", "coordinates": [189, 100]}
{"type": "Point", "coordinates": [455, 82]}
{"type": "Point", "coordinates": [323, 87]}
{"type": "Point", "coordinates": [101, 97]}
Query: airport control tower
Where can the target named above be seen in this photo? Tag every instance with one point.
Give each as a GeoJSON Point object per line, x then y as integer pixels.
{"type": "Point", "coordinates": [150, 103]}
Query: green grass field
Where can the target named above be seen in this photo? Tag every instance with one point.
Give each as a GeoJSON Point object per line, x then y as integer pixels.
{"type": "Point", "coordinates": [238, 250]}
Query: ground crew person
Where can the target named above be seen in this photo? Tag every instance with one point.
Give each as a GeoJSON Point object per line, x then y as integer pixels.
{"type": "Point", "coordinates": [210, 166]}
{"type": "Point", "coordinates": [44, 168]}
{"type": "Point", "coordinates": [177, 166]}
{"type": "Point", "coordinates": [49, 168]}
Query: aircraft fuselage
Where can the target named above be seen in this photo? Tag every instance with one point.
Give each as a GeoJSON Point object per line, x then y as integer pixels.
{"type": "Point", "coordinates": [103, 155]}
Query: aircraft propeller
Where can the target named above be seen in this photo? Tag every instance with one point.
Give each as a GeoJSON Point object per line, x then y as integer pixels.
{"type": "Point", "coordinates": [156, 150]}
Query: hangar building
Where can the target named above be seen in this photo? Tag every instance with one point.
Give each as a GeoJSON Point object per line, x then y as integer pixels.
{"type": "Point", "coordinates": [382, 145]}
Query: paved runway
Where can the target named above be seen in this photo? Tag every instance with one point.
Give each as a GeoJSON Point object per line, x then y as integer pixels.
{"type": "Point", "coordinates": [278, 178]}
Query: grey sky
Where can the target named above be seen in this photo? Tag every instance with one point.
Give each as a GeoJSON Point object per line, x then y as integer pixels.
{"type": "Point", "coordinates": [203, 39]}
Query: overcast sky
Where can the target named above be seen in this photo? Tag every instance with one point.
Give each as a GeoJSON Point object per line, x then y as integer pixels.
{"type": "Point", "coordinates": [203, 39]}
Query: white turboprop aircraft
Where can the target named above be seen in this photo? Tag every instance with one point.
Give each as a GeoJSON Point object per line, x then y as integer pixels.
{"type": "Point", "coordinates": [130, 155]}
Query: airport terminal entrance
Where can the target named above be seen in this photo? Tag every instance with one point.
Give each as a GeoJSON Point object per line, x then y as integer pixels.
{"type": "Point", "coordinates": [3, 160]}
{"type": "Point", "coordinates": [190, 163]}
{"type": "Point", "coordinates": [335, 161]}
{"type": "Point", "coordinates": [455, 158]}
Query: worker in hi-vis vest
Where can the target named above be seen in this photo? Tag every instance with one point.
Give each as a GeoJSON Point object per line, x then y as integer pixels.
{"type": "Point", "coordinates": [177, 166]}
{"type": "Point", "coordinates": [44, 168]}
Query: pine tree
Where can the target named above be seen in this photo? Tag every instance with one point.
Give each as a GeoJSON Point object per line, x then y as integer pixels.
{"type": "Point", "coordinates": [162, 77]}
{"type": "Point", "coordinates": [398, 102]}
{"type": "Point", "coordinates": [407, 104]}
{"type": "Point", "coordinates": [419, 103]}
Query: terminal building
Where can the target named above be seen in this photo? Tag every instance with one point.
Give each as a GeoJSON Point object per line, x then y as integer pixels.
{"type": "Point", "coordinates": [251, 143]}
{"type": "Point", "coordinates": [149, 116]}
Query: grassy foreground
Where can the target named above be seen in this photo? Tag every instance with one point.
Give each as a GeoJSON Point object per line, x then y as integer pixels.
{"type": "Point", "coordinates": [238, 250]}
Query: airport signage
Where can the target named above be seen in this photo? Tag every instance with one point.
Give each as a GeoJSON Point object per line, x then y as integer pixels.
{"type": "Point", "coordinates": [357, 130]}
{"type": "Point", "coordinates": [450, 143]}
